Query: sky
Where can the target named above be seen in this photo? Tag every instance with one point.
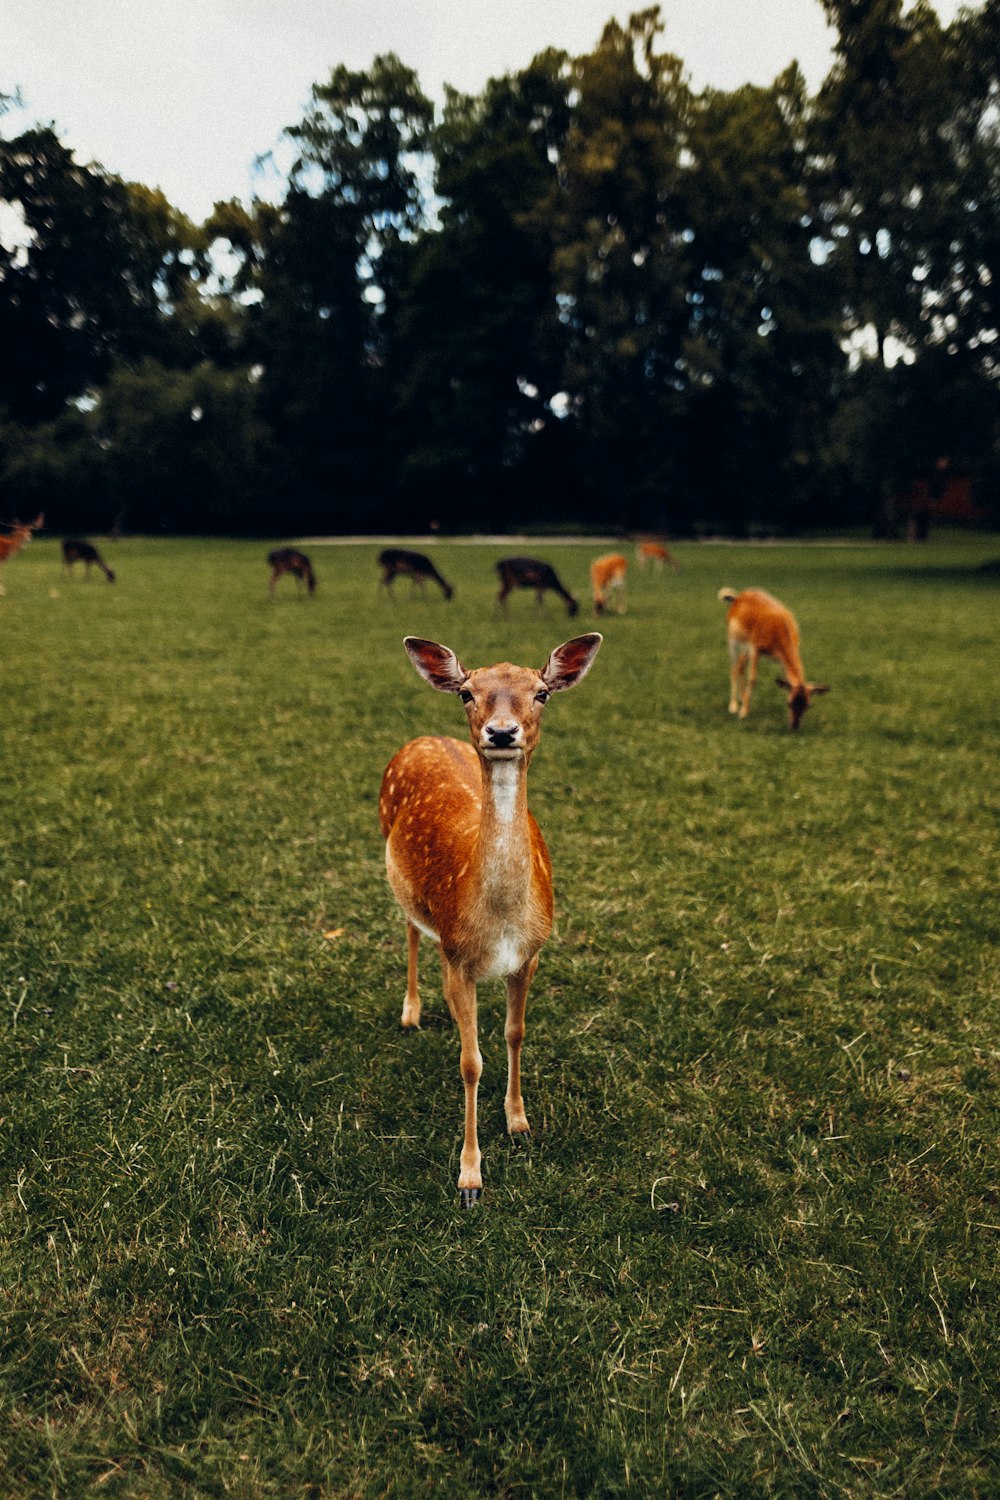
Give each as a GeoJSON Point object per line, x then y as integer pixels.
{"type": "Point", "coordinates": [185, 96]}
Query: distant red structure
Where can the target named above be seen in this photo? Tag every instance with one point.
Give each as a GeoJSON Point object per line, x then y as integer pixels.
{"type": "Point", "coordinates": [944, 495]}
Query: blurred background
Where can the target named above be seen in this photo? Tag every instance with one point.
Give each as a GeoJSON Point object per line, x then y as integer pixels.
{"type": "Point", "coordinates": [591, 294]}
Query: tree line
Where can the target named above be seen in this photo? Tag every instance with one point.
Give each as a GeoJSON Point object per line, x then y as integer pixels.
{"type": "Point", "coordinates": [586, 295]}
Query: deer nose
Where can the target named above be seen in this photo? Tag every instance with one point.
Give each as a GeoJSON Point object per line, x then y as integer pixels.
{"type": "Point", "coordinates": [501, 739]}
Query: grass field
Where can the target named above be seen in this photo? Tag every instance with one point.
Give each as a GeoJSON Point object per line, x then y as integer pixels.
{"type": "Point", "coordinates": [752, 1246]}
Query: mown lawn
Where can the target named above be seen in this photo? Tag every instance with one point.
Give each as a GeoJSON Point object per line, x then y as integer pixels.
{"type": "Point", "coordinates": [752, 1246]}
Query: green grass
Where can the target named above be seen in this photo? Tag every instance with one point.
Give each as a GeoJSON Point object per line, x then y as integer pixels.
{"type": "Point", "coordinates": [752, 1246]}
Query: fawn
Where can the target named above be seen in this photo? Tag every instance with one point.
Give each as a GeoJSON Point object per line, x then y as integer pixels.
{"type": "Point", "coordinates": [608, 573]}
{"type": "Point", "coordinates": [19, 535]}
{"type": "Point", "coordinates": [466, 860]}
{"type": "Point", "coordinates": [74, 550]}
{"type": "Point", "coordinates": [414, 565]}
{"type": "Point", "coordinates": [529, 573]}
{"type": "Point", "coordinates": [657, 554]}
{"type": "Point", "coordinates": [290, 560]}
{"type": "Point", "coordinates": [759, 625]}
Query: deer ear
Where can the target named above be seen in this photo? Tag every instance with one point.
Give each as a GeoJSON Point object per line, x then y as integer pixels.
{"type": "Point", "coordinates": [817, 688]}
{"type": "Point", "coordinates": [570, 662]}
{"type": "Point", "coordinates": [436, 664]}
{"type": "Point", "coordinates": [783, 682]}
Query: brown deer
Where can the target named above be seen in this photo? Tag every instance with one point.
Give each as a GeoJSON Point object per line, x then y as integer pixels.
{"type": "Point", "coordinates": [466, 860]}
{"type": "Point", "coordinates": [413, 565]}
{"type": "Point", "coordinates": [607, 573]}
{"type": "Point", "coordinates": [75, 550]}
{"type": "Point", "coordinates": [656, 553]}
{"type": "Point", "coordinates": [758, 625]}
{"type": "Point", "coordinates": [290, 560]}
{"type": "Point", "coordinates": [18, 537]}
{"type": "Point", "coordinates": [529, 573]}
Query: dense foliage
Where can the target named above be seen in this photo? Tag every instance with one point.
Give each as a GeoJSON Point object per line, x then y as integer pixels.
{"type": "Point", "coordinates": [587, 294]}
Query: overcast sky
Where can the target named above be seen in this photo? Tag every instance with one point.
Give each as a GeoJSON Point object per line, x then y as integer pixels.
{"type": "Point", "coordinates": [185, 94]}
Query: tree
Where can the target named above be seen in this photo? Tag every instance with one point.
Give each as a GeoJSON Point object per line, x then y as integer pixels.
{"type": "Point", "coordinates": [880, 134]}
{"type": "Point", "coordinates": [102, 268]}
{"type": "Point", "coordinates": [906, 134]}
{"type": "Point", "coordinates": [328, 281]}
{"type": "Point", "coordinates": [621, 265]}
{"type": "Point", "coordinates": [478, 355]}
{"type": "Point", "coordinates": [761, 353]}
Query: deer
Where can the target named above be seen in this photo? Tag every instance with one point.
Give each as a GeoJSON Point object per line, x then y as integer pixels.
{"type": "Point", "coordinates": [758, 625]}
{"type": "Point", "coordinates": [608, 573]}
{"type": "Point", "coordinates": [466, 860]}
{"type": "Point", "coordinates": [290, 560]}
{"type": "Point", "coordinates": [413, 565]}
{"type": "Point", "coordinates": [657, 554]}
{"type": "Point", "coordinates": [75, 550]}
{"type": "Point", "coordinates": [20, 534]}
{"type": "Point", "coordinates": [529, 573]}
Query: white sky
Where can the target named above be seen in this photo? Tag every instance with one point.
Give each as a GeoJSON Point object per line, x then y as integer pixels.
{"type": "Point", "coordinates": [185, 94]}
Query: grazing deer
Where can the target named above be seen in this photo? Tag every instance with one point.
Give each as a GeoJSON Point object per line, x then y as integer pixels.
{"type": "Point", "coordinates": [290, 560]}
{"type": "Point", "coordinates": [657, 554]}
{"type": "Point", "coordinates": [18, 536]}
{"type": "Point", "coordinates": [758, 625]}
{"type": "Point", "coordinates": [608, 573]}
{"type": "Point", "coordinates": [529, 573]}
{"type": "Point", "coordinates": [79, 551]}
{"type": "Point", "coordinates": [414, 565]}
{"type": "Point", "coordinates": [465, 858]}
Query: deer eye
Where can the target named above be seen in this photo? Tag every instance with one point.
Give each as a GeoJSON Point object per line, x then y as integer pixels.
{"type": "Point", "coordinates": [465, 695]}
{"type": "Point", "coordinates": [542, 696]}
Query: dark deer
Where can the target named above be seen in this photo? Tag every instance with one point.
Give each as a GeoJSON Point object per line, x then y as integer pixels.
{"type": "Point", "coordinates": [75, 550]}
{"type": "Point", "coordinates": [529, 573]}
{"type": "Point", "coordinates": [290, 560]}
{"type": "Point", "coordinates": [18, 536]}
{"type": "Point", "coordinates": [413, 565]}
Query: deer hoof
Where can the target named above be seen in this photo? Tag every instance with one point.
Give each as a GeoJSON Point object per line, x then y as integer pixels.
{"type": "Point", "coordinates": [469, 1197]}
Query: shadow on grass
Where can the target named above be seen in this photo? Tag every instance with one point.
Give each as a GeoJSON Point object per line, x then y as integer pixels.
{"type": "Point", "coordinates": [980, 574]}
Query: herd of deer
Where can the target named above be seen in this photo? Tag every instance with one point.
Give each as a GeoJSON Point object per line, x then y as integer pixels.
{"type": "Point", "coordinates": [465, 859]}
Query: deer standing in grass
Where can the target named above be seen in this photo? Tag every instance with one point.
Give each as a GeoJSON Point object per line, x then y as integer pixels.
{"type": "Point", "coordinates": [657, 554]}
{"type": "Point", "coordinates": [759, 625]}
{"type": "Point", "coordinates": [414, 565]}
{"type": "Point", "coordinates": [18, 536]}
{"type": "Point", "coordinates": [466, 860]}
{"type": "Point", "coordinates": [529, 573]}
{"type": "Point", "coordinates": [74, 550]}
{"type": "Point", "coordinates": [607, 573]}
{"type": "Point", "coordinates": [290, 560]}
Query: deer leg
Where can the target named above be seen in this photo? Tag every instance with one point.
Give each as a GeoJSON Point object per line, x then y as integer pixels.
{"type": "Point", "coordinates": [411, 1004]}
{"type": "Point", "coordinates": [517, 996]}
{"type": "Point", "coordinates": [446, 984]}
{"type": "Point", "coordinates": [751, 678]}
{"type": "Point", "coordinates": [461, 995]}
{"type": "Point", "coordinates": [737, 662]}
